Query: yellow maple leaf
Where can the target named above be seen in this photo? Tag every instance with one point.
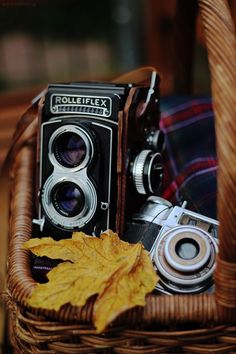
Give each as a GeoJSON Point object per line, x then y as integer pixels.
{"type": "Point", "coordinates": [125, 291]}
{"type": "Point", "coordinates": [120, 273]}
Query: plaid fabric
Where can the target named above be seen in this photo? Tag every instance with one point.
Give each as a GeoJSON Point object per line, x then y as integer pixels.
{"type": "Point", "coordinates": [190, 156]}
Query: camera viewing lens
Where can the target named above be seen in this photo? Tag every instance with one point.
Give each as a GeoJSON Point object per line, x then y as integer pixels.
{"type": "Point", "coordinates": [68, 199]}
{"type": "Point", "coordinates": [187, 248]}
{"type": "Point", "coordinates": [69, 149]}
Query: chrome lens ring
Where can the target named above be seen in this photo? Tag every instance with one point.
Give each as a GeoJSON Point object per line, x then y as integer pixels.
{"type": "Point", "coordinates": [84, 215]}
{"type": "Point", "coordinates": [77, 144]}
{"type": "Point", "coordinates": [147, 172]}
{"type": "Point", "coordinates": [199, 254]}
{"type": "Point", "coordinates": [171, 276]}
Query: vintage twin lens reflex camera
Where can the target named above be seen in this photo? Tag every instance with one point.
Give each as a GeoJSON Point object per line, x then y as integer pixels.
{"type": "Point", "coordinates": [182, 245]}
{"type": "Point", "coordinates": [82, 130]}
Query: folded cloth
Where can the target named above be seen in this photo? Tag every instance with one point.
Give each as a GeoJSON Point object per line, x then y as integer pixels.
{"type": "Point", "coordinates": [190, 155]}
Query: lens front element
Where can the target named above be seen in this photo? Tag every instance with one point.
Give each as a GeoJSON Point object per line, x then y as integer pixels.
{"type": "Point", "coordinates": [185, 259]}
{"type": "Point", "coordinates": [69, 149]}
{"type": "Point", "coordinates": [68, 199]}
{"type": "Point", "coordinates": [187, 248]}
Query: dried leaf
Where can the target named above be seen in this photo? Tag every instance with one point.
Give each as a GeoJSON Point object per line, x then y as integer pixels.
{"type": "Point", "coordinates": [125, 291]}
{"type": "Point", "coordinates": [121, 273]}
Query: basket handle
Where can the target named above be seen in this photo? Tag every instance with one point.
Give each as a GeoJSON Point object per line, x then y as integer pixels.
{"type": "Point", "coordinates": [221, 47]}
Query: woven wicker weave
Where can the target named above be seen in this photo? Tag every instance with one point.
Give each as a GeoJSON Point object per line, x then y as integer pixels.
{"type": "Point", "coordinates": [181, 323]}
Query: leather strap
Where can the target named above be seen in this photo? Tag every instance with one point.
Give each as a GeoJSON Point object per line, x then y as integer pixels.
{"type": "Point", "coordinates": [147, 77]}
{"type": "Point", "coordinates": [139, 76]}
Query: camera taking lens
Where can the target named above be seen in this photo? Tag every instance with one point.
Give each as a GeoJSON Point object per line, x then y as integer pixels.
{"type": "Point", "coordinates": [187, 248]}
{"type": "Point", "coordinates": [182, 245]}
{"type": "Point", "coordinates": [185, 258]}
{"type": "Point", "coordinates": [68, 198]}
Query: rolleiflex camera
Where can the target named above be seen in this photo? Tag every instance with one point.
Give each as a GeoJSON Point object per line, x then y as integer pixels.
{"type": "Point", "coordinates": [98, 155]}
{"type": "Point", "coordinates": [182, 245]}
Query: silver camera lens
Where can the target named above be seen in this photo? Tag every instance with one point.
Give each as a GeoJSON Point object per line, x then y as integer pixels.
{"type": "Point", "coordinates": [70, 146]}
{"type": "Point", "coordinates": [70, 202]}
{"type": "Point", "coordinates": [68, 199]}
{"type": "Point", "coordinates": [185, 259]}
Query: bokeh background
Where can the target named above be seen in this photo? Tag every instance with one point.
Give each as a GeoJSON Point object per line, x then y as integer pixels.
{"type": "Point", "coordinates": [55, 41]}
{"type": "Point", "coordinates": [73, 40]}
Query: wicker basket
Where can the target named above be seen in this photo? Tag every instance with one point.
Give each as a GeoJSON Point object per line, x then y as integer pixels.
{"type": "Point", "coordinates": [181, 323]}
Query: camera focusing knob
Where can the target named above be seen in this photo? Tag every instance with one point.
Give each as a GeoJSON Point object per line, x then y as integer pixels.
{"type": "Point", "coordinates": [147, 172]}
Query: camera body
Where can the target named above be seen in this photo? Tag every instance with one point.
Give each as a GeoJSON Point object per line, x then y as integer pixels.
{"type": "Point", "coordinates": [97, 155]}
{"type": "Point", "coordinates": [182, 245]}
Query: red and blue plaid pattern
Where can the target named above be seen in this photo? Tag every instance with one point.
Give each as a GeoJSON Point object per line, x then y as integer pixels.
{"type": "Point", "coordinates": [190, 156]}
